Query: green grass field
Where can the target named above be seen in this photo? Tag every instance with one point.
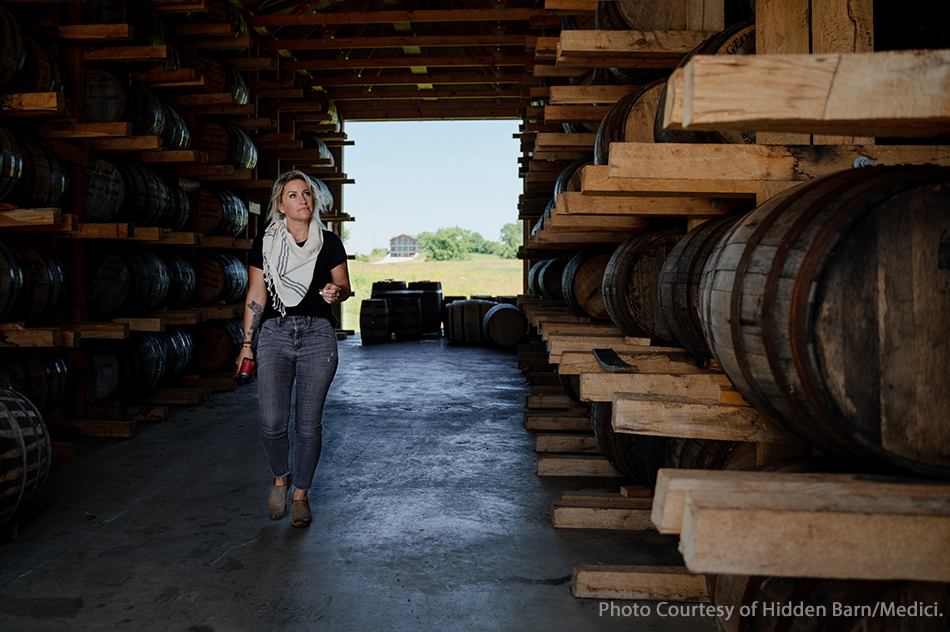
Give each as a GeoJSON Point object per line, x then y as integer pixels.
{"type": "Point", "coordinates": [482, 274]}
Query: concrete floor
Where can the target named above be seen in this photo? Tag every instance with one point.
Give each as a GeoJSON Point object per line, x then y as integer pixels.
{"type": "Point", "coordinates": [428, 515]}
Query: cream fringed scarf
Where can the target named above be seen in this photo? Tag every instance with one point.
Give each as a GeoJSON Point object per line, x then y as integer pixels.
{"type": "Point", "coordinates": [288, 268]}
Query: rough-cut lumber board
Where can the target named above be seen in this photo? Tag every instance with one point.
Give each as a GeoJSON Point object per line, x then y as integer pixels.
{"type": "Point", "coordinates": [575, 113]}
{"type": "Point", "coordinates": [596, 180]}
{"type": "Point", "coordinates": [92, 32]}
{"type": "Point", "coordinates": [173, 156]}
{"type": "Point", "coordinates": [567, 443]}
{"type": "Point", "coordinates": [729, 395]}
{"type": "Point", "coordinates": [90, 428]}
{"type": "Point", "coordinates": [895, 93]}
{"type": "Point", "coordinates": [224, 43]}
{"type": "Point", "coordinates": [664, 416]}
{"type": "Point", "coordinates": [98, 331]}
{"type": "Point", "coordinates": [626, 49]}
{"type": "Point", "coordinates": [103, 231]}
{"type": "Point", "coordinates": [561, 222]}
{"type": "Point", "coordinates": [781, 28]}
{"type": "Point", "coordinates": [31, 217]}
{"type": "Point", "coordinates": [580, 465]}
{"type": "Point", "coordinates": [549, 401]}
{"type": "Point", "coordinates": [127, 53]}
{"type": "Point", "coordinates": [564, 142]}
{"type": "Point", "coordinates": [85, 130]}
{"type": "Point", "coordinates": [636, 491]}
{"type": "Point", "coordinates": [548, 70]}
{"type": "Point", "coordinates": [546, 328]}
{"type": "Point", "coordinates": [759, 162]}
{"type": "Point", "coordinates": [132, 143]}
{"type": "Point", "coordinates": [569, 7]}
{"type": "Point", "coordinates": [32, 104]}
{"type": "Point", "coordinates": [655, 583]}
{"type": "Point", "coordinates": [579, 240]}
{"type": "Point", "coordinates": [562, 421]}
{"type": "Point", "coordinates": [672, 486]}
{"type": "Point", "coordinates": [833, 535]}
{"type": "Point", "coordinates": [177, 78]}
{"type": "Point", "coordinates": [192, 100]}
{"type": "Point", "coordinates": [588, 95]}
{"type": "Point", "coordinates": [632, 514]}
{"type": "Point", "coordinates": [142, 324]}
{"type": "Point", "coordinates": [600, 387]}
{"type": "Point", "coordinates": [32, 337]}
{"type": "Point", "coordinates": [561, 342]}
{"type": "Point", "coordinates": [577, 362]}
{"type": "Point", "coordinates": [558, 345]}
{"type": "Point", "coordinates": [576, 203]}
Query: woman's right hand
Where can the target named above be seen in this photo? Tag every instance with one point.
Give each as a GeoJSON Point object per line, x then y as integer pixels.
{"type": "Point", "coordinates": [246, 352]}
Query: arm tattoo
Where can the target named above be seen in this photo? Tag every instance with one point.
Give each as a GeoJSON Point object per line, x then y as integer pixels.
{"type": "Point", "coordinates": [258, 311]}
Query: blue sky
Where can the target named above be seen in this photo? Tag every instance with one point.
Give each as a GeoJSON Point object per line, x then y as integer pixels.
{"type": "Point", "coordinates": [421, 176]}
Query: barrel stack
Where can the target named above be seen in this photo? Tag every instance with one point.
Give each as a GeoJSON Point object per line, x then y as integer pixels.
{"type": "Point", "coordinates": [133, 174]}
{"type": "Point", "coordinates": [771, 303]}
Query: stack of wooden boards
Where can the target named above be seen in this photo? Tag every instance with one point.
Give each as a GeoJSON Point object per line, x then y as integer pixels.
{"type": "Point", "coordinates": [809, 131]}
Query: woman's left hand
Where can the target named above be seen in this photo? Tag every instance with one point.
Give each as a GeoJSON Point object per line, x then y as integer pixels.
{"type": "Point", "coordinates": [330, 293]}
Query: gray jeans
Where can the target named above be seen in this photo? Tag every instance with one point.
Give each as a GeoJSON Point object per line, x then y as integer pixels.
{"type": "Point", "coordinates": [304, 349]}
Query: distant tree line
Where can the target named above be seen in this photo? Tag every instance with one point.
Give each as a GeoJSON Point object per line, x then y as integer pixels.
{"type": "Point", "coordinates": [452, 244]}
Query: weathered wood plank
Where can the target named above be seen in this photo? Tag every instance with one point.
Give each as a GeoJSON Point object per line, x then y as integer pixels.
{"type": "Point", "coordinates": [663, 416]}
{"type": "Point", "coordinates": [833, 535]}
{"type": "Point", "coordinates": [896, 93]}
{"type": "Point", "coordinates": [657, 583]}
{"type": "Point", "coordinates": [600, 387]}
{"type": "Point", "coordinates": [579, 465]}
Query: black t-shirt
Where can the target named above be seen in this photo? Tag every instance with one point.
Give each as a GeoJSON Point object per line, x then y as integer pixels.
{"type": "Point", "coordinates": [331, 255]}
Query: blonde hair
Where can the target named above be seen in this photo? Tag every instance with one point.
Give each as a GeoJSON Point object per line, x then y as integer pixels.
{"type": "Point", "coordinates": [320, 194]}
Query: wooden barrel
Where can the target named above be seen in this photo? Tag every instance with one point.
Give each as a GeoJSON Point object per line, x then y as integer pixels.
{"type": "Point", "coordinates": [25, 453]}
{"type": "Point", "coordinates": [572, 388]}
{"type": "Point", "coordinates": [679, 282]}
{"type": "Point", "coordinates": [312, 141]}
{"type": "Point", "coordinates": [406, 316]}
{"type": "Point", "coordinates": [799, 307]}
{"type": "Point", "coordinates": [446, 301]}
{"type": "Point", "coordinates": [381, 288]}
{"type": "Point", "coordinates": [44, 283]}
{"type": "Point", "coordinates": [143, 110]}
{"type": "Point", "coordinates": [582, 282]}
{"type": "Point", "coordinates": [463, 322]}
{"type": "Point", "coordinates": [126, 280]}
{"type": "Point", "coordinates": [219, 212]}
{"type": "Point", "coordinates": [533, 273]}
{"type": "Point", "coordinates": [217, 344]}
{"type": "Point", "coordinates": [375, 324]}
{"type": "Point", "coordinates": [102, 373]}
{"type": "Point", "coordinates": [221, 77]}
{"type": "Point", "coordinates": [11, 163]}
{"type": "Point", "coordinates": [595, 77]}
{"type": "Point", "coordinates": [104, 191]}
{"type": "Point", "coordinates": [226, 144]}
{"type": "Point", "coordinates": [629, 120]}
{"type": "Point", "coordinates": [794, 603]}
{"type": "Point", "coordinates": [738, 39]}
{"type": "Point", "coordinates": [179, 207]}
{"type": "Point", "coordinates": [220, 277]}
{"type": "Point", "coordinates": [12, 48]}
{"type": "Point", "coordinates": [504, 325]}
{"type": "Point", "coordinates": [147, 198]}
{"type": "Point", "coordinates": [105, 97]}
{"type": "Point", "coordinates": [570, 178]}
{"type": "Point", "coordinates": [41, 71]}
{"type": "Point", "coordinates": [179, 349]}
{"type": "Point", "coordinates": [709, 454]}
{"type": "Point", "coordinates": [175, 133]}
{"type": "Point", "coordinates": [637, 457]}
{"type": "Point", "coordinates": [182, 280]}
{"type": "Point", "coordinates": [142, 363]}
{"type": "Point", "coordinates": [40, 375]}
{"type": "Point", "coordinates": [630, 284]}
{"type": "Point", "coordinates": [45, 178]}
{"type": "Point", "coordinates": [549, 278]}
{"type": "Point", "coordinates": [12, 282]}
{"type": "Point", "coordinates": [430, 299]}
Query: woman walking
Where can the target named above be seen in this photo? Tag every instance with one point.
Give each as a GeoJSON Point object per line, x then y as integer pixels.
{"type": "Point", "coordinates": [297, 270]}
